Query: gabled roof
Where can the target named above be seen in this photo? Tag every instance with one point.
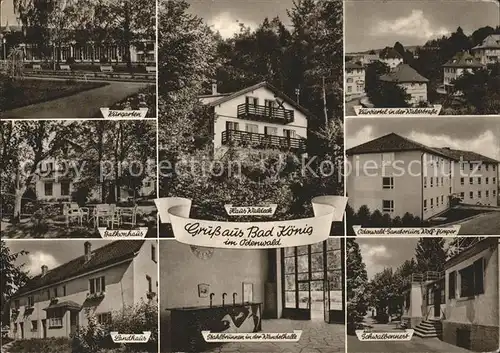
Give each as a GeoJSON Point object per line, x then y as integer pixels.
{"type": "Point", "coordinates": [469, 156]}
{"type": "Point", "coordinates": [106, 255]}
{"type": "Point", "coordinates": [396, 143]}
{"type": "Point", "coordinates": [390, 143]}
{"type": "Point", "coordinates": [390, 53]}
{"type": "Point", "coordinates": [267, 85]}
{"type": "Point", "coordinates": [404, 73]}
{"type": "Point", "coordinates": [490, 42]}
{"type": "Point", "coordinates": [463, 59]}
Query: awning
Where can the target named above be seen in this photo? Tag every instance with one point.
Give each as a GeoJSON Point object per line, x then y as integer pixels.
{"type": "Point", "coordinates": [69, 305]}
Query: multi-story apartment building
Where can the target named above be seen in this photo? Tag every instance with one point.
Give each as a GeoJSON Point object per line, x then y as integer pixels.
{"type": "Point", "coordinates": [101, 281]}
{"type": "Point", "coordinates": [257, 116]}
{"type": "Point", "coordinates": [409, 79]}
{"type": "Point", "coordinates": [488, 52]}
{"type": "Point", "coordinates": [455, 67]}
{"type": "Point", "coordinates": [355, 79]}
{"type": "Point", "coordinates": [391, 57]}
{"type": "Point", "coordinates": [460, 304]}
{"type": "Point", "coordinates": [396, 175]}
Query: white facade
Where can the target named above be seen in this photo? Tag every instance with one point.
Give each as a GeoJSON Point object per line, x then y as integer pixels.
{"type": "Point", "coordinates": [392, 62]}
{"type": "Point", "coordinates": [116, 286]}
{"type": "Point", "coordinates": [476, 183]}
{"type": "Point", "coordinates": [355, 81]}
{"type": "Point", "coordinates": [488, 52]}
{"type": "Point", "coordinates": [418, 91]}
{"type": "Point", "coordinates": [226, 117]}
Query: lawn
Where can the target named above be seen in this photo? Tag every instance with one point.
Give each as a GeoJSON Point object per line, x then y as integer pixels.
{"type": "Point", "coordinates": [23, 92]}
{"type": "Point", "coordinates": [486, 224]}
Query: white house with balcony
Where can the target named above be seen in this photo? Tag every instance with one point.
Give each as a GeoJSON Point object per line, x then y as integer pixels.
{"type": "Point", "coordinates": [259, 116]}
{"type": "Point", "coordinates": [354, 80]}
{"type": "Point", "coordinates": [488, 52]}
{"type": "Point", "coordinates": [100, 282]}
{"type": "Point", "coordinates": [455, 67]}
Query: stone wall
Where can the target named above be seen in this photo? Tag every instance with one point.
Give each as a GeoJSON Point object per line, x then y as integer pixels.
{"type": "Point", "coordinates": [482, 338]}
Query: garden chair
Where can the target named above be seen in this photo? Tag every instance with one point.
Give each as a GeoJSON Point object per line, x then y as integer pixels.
{"type": "Point", "coordinates": [106, 212]}
{"type": "Point", "coordinates": [73, 211]}
{"type": "Point", "coordinates": [128, 216]}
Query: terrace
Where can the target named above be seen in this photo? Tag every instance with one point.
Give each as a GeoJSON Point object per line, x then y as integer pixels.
{"type": "Point", "coordinates": [271, 114]}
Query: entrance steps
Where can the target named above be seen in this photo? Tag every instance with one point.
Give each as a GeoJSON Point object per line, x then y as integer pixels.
{"type": "Point", "coordinates": [429, 328]}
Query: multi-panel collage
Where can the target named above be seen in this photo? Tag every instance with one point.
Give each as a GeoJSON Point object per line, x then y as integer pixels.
{"type": "Point", "coordinates": [308, 176]}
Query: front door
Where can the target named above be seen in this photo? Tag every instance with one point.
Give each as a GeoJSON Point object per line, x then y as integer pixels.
{"type": "Point", "coordinates": [74, 321]}
{"type": "Point", "coordinates": [44, 328]}
{"type": "Point", "coordinates": [437, 302]}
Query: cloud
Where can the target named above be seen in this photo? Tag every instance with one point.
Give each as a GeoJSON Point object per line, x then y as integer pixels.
{"type": "Point", "coordinates": [361, 136]}
{"type": "Point", "coordinates": [486, 143]}
{"type": "Point", "coordinates": [414, 25]}
{"type": "Point", "coordinates": [37, 259]}
{"type": "Point", "coordinates": [375, 258]}
{"type": "Point", "coordinates": [227, 24]}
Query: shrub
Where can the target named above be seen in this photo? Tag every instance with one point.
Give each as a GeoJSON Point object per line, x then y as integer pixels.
{"type": "Point", "coordinates": [103, 60]}
{"type": "Point", "coordinates": [364, 215]}
{"type": "Point", "coordinates": [90, 338]}
{"type": "Point", "coordinates": [70, 60]}
{"type": "Point", "coordinates": [376, 219]}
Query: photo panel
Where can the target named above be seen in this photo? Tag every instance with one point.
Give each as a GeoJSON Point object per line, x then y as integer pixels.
{"type": "Point", "coordinates": [423, 294]}
{"type": "Point", "coordinates": [423, 176]}
{"type": "Point", "coordinates": [273, 291]}
{"type": "Point", "coordinates": [78, 179]}
{"type": "Point", "coordinates": [80, 296]}
{"type": "Point", "coordinates": [78, 59]}
{"type": "Point", "coordinates": [422, 57]}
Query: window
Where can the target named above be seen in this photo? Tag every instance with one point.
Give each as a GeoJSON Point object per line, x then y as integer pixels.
{"type": "Point", "coordinates": [388, 183]}
{"type": "Point", "coordinates": [268, 130]}
{"type": "Point", "coordinates": [487, 180]}
{"type": "Point", "coordinates": [349, 80]}
{"type": "Point", "coordinates": [55, 317]}
{"type": "Point", "coordinates": [442, 200]}
{"type": "Point", "coordinates": [479, 181]}
{"type": "Point", "coordinates": [471, 166]}
{"type": "Point", "coordinates": [425, 182]}
{"type": "Point", "coordinates": [452, 284]}
{"type": "Point", "coordinates": [31, 300]}
{"type": "Point", "coordinates": [388, 205]}
{"type": "Point", "coordinates": [494, 193]}
{"type": "Point", "coordinates": [34, 325]}
{"type": "Point", "coordinates": [462, 181]}
{"type": "Point", "coordinates": [65, 188]}
{"type": "Point", "coordinates": [231, 125]}
{"type": "Point", "coordinates": [104, 318]}
{"type": "Point", "coordinates": [432, 203]}
{"type": "Point", "coordinates": [471, 181]}
{"type": "Point", "coordinates": [494, 181]}
{"type": "Point", "coordinates": [153, 252]}
{"type": "Point", "coordinates": [64, 291]}
{"type": "Point", "coordinates": [479, 194]}
{"type": "Point", "coordinates": [471, 195]}
{"type": "Point", "coordinates": [49, 189]}
{"type": "Point", "coordinates": [150, 285]}
{"type": "Point", "coordinates": [487, 193]}
{"type": "Point", "coordinates": [97, 285]}
{"type": "Point", "coordinates": [253, 128]}
{"type": "Point", "coordinates": [442, 181]}
{"type": "Point", "coordinates": [472, 280]}
{"type": "Point", "coordinates": [252, 100]}
{"type": "Point", "coordinates": [289, 133]}
{"type": "Point", "coordinates": [55, 292]}
{"type": "Point", "coordinates": [462, 195]}
{"type": "Point", "coordinates": [437, 201]}
{"type": "Point", "coordinates": [432, 182]}
{"type": "Point", "coordinates": [487, 167]}
{"type": "Point", "coordinates": [425, 205]}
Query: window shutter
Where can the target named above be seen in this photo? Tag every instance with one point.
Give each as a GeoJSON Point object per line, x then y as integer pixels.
{"type": "Point", "coordinates": [478, 277]}
{"type": "Point", "coordinates": [452, 284]}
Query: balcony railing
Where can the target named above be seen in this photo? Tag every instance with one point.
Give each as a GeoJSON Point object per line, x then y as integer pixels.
{"type": "Point", "coordinates": [265, 113]}
{"type": "Point", "coordinates": [256, 140]}
{"type": "Point", "coordinates": [428, 276]}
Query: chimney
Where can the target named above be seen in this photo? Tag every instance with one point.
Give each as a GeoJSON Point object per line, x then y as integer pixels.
{"type": "Point", "coordinates": [88, 250]}
{"type": "Point", "coordinates": [214, 88]}
{"type": "Point", "coordinates": [44, 270]}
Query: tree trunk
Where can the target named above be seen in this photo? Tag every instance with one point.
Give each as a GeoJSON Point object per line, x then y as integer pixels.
{"type": "Point", "coordinates": [16, 217]}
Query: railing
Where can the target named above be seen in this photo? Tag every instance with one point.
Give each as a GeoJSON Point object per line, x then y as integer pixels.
{"type": "Point", "coordinates": [428, 276]}
{"type": "Point", "coordinates": [251, 139]}
{"type": "Point", "coordinates": [265, 113]}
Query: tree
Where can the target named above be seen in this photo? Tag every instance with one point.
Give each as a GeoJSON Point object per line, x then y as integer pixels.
{"type": "Point", "coordinates": [430, 254]}
{"type": "Point", "coordinates": [357, 285]}
{"type": "Point", "coordinates": [13, 275]}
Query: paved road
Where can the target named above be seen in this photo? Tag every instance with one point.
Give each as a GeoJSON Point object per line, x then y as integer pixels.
{"type": "Point", "coordinates": [349, 106]}
{"type": "Point", "coordinates": [85, 104]}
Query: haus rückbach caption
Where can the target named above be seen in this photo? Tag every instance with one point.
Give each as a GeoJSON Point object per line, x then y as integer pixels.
{"type": "Point", "coordinates": [86, 296]}
{"type": "Point", "coordinates": [78, 59]}
{"type": "Point", "coordinates": [411, 182]}
{"type": "Point", "coordinates": [448, 66]}
{"type": "Point", "coordinates": [243, 112]}
{"type": "Point", "coordinates": [424, 288]}
{"type": "Point", "coordinates": [78, 179]}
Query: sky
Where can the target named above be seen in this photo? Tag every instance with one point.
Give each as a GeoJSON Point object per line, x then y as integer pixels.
{"type": "Point", "coordinates": [375, 24]}
{"type": "Point", "coordinates": [477, 134]}
{"type": "Point", "coordinates": [225, 15]}
{"type": "Point", "coordinates": [49, 252]}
